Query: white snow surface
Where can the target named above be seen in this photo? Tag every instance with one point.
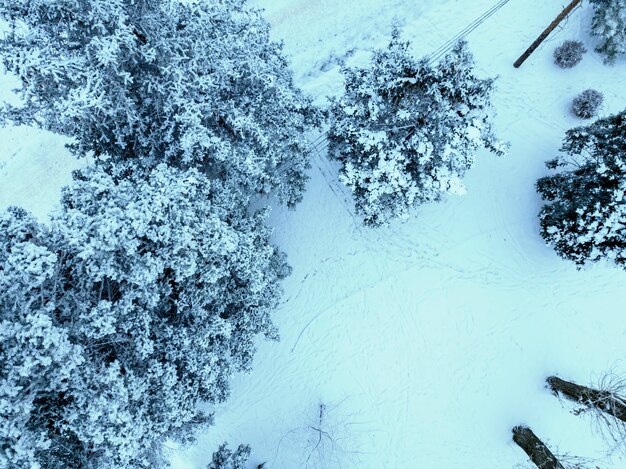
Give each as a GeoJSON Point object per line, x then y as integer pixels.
{"type": "Point", "coordinates": [428, 340]}
{"type": "Point", "coordinates": [34, 164]}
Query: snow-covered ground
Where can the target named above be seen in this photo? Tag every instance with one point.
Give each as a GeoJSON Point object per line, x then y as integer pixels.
{"type": "Point", "coordinates": [34, 164]}
{"type": "Point", "coordinates": [427, 341]}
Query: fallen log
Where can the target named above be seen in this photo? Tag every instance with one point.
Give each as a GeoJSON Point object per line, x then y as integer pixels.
{"type": "Point", "coordinates": [536, 450]}
{"type": "Point", "coordinates": [606, 401]}
{"type": "Point", "coordinates": [568, 9]}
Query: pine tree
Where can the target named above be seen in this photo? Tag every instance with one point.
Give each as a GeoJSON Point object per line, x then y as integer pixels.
{"type": "Point", "coordinates": [224, 458]}
{"type": "Point", "coordinates": [150, 285]}
{"type": "Point", "coordinates": [406, 132]}
{"type": "Point", "coordinates": [609, 24]}
{"type": "Point", "coordinates": [37, 357]}
{"type": "Point", "coordinates": [584, 218]}
{"type": "Point", "coordinates": [139, 301]}
{"type": "Point", "coordinates": [189, 83]}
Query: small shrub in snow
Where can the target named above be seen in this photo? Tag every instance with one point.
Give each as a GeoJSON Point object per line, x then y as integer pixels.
{"type": "Point", "coordinates": [224, 458]}
{"type": "Point", "coordinates": [569, 54]}
{"type": "Point", "coordinates": [587, 104]}
{"type": "Point", "coordinates": [139, 301]}
{"type": "Point", "coordinates": [584, 217]}
{"type": "Point", "coordinates": [405, 131]}
{"type": "Point", "coordinates": [609, 24]}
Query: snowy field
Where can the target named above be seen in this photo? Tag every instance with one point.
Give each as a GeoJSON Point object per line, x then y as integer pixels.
{"type": "Point", "coordinates": [426, 341]}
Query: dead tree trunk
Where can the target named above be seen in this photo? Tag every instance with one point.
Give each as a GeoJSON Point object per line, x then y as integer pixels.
{"type": "Point", "coordinates": [606, 401]}
{"type": "Point", "coordinates": [536, 450]}
{"type": "Point", "coordinates": [568, 9]}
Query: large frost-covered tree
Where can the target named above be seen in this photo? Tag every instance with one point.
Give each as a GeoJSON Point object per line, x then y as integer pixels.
{"type": "Point", "coordinates": [37, 358]}
{"type": "Point", "coordinates": [609, 24]}
{"type": "Point", "coordinates": [406, 131]}
{"type": "Point", "coordinates": [139, 300]}
{"type": "Point", "coordinates": [192, 83]}
{"type": "Point", "coordinates": [584, 218]}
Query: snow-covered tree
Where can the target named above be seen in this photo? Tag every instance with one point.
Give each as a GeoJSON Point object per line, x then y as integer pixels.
{"type": "Point", "coordinates": [192, 83]}
{"type": "Point", "coordinates": [139, 301]}
{"type": "Point", "coordinates": [37, 358]}
{"type": "Point", "coordinates": [584, 218]}
{"type": "Point", "coordinates": [609, 24]}
{"type": "Point", "coordinates": [225, 458]}
{"type": "Point", "coordinates": [406, 131]}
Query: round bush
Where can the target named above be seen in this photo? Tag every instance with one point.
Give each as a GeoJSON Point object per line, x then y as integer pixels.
{"type": "Point", "coordinates": [587, 104]}
{"type": "Point", "coordinates": [569, 54]}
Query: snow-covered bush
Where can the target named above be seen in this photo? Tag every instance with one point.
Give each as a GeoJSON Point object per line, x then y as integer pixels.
{"type": "Point", "coordinates": [569, 54]}
{"type": "Point", "coordinates": [224, 458]}
{"type": "Point", "coordinates": [189, 83]}
{"type": "Point", "coordinates": [584, 218]}
{"type": "Point", "coordinates": [609, 24]}
{"type": "Point", "coordinates": [587, 104]}
{"type": "Point", "coordinates": [141, 299]}
{"type": "Point", "coordinates": [406, 131]}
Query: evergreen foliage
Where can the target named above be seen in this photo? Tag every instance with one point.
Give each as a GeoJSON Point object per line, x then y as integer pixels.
{"type": "Point", "coordinates": [569, 54]}
{"type": "Point", "coordinates": [224, 458]}
{"type": "Point", "coordinates": [609, 24]}
{"type": "Point", "coordinates": [584, 217]}
{"type": "Point", "coordinates": [139, 301]}
{"type": "Point", "coordinates": [406, 131]}
{"type": "Point", "coordinates": [587, 104]}
{"type": "Point", "coordinates": [188, 83]}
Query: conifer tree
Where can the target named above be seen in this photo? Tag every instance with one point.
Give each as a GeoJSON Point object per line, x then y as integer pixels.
{"type": "Point", "coordinates": [406, 131]}
{"type": "Point", "coordinates": [138, 302]}
{"type": "Point", "coordinates": [225, 458]}
{"type": "Point", "coordinates": [609, 24]}
{"type": "Point", "coordinates": [584, 217]}
{"type": "Point", "coordinates": [150, 285]}
{"type": "Point", "coordinates": [195, 84]}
